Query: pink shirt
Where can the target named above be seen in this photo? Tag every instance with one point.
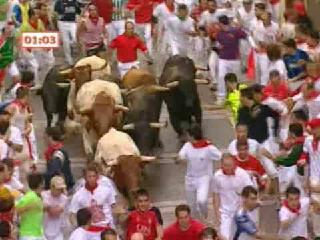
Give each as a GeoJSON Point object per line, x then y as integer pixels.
{"type": "Point", "coordinates": [92, 37]}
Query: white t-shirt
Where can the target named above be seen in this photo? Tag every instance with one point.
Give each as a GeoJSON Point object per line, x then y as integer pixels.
{"type": "Point", "coordinates": [266, 34]}
{"type": "Point", "coordinates": [246, 17]}
{"type": "Point", "coordinates": [253, 147]}
{"type": "Point", "coordinates": [199, 160]}
{"type": "Point", "coordinates": [189, 3]}
{"type": "Point", "coordinates": [229, 188]}
{"type": "Point", "coordinates": [162, 12]}
{"type": "Point", "coordinates": [313, 53]}
{"type": "Point", "coordinates": [178, 30]}
{"type": "Point", "coordinates": [313, 105]}
{"type": "Point", "coordinates": [254, 216]}
{"type": "Point", "coordinates": [15, 138]}
{"type": "Point", "coordinates": [314, 159]}
{"type": "Point", "coordinates": [78, 234]}
{"type": "Point", "coordinates": [15, 184]}
{"type": "Point", "coordinates": [99, 202]}
{"type": "Point", "coordinates": [207, 18]}
{"type": "Point", "coordinates": [53, 225]}
{"type": "Point", "coordinates": [299, 226]}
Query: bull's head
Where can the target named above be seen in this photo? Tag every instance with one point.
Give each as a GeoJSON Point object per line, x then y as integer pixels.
{"type": "Point", "coordinates": [127, 171]}
{"type": "Point", "coordinates": [188, 89]}
{"type": "Point", "coordinates": [102, 114]}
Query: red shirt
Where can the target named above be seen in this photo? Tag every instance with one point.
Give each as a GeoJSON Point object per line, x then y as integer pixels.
{"type": "Point", "coordinates": [280, 92]}
{"type": "Point", "coordinates": [104, 8]}
{"type": "Point", "coordinates": [173, 232]}
{"type": "Point", "coordinates": [142, 222]}
{"type": "Point", "coordinates": [252, 165]}
{"type": "Point", "coordinates": [127, 47]}
{"type": "Point", "coordinates": [144, 12]}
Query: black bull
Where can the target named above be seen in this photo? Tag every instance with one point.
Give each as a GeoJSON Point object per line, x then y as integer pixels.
{"type": "Point", "coordinates": [54, 97]}
{"type": "Point", "coordinates": [182, 100]}
{"type": "Point", "coordinates": [144, 108]}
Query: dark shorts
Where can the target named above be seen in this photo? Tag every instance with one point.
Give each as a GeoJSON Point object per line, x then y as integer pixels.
{"type": "Point", "coordinates": [96, 50]}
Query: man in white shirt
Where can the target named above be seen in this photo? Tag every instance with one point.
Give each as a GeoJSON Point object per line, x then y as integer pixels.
{"type": "Point", "coordinates": [98, 198]}
{"type": "Point", "coordinates": [162, 13]}
{"type": "Point", "coordinates": [54, 201]}
{"type": "Point", "coordinates": [199, 155]}
{"type": "Point", "coordinates": [293, 215]}
{"type": "Point", "coordinates": [189, 3]}
{"type": "Point", "coordinates": [242, 135]}
{"type": "Point", "coordinates": [180, 29]}
{"type": "Point", "coordinates": [247, 216]}
{"type": "Point", "coordinates": [228, 183]}
{"type": "Point", "coordinates": [209, 19]}
{"type": "Point", "coordinates": [83, 222]}
{"type": "Point", "coordinates": [266, 32]}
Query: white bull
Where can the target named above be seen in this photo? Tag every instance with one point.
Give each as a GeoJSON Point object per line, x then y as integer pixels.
{"type": "Point", "coordinates": [84, 102]}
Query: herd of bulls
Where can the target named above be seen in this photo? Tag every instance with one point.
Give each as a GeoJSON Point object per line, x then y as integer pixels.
{"type": "Point", "coordinates": [120, 126]}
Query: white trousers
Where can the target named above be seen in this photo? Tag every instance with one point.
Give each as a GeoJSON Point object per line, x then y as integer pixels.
{"type": "Point", "coordinates": [46, 62]}
{"type": "Point", "coordinates": [276, 12]}
{"type": "Point", "coordinates": [144, 31]}
{"type": "Point", "coordinates": [58, 237]}
{"type": "Point", "coordinates": [262, 65]}
{"type": "Point", "coordinates": [68, 34]}
{"type": "Point", "coordinates": [227, 225]}
{"type": "Point", "coordinates": [244, 51]}
{"type": "Point", "coordinates": [125, 67]}
{"type": "Point", "coordinates": [224, 67]}
{"type": "Point", "coordinates": [213, 62]}
{"type": "Point", "coordinates": [267, 163]}
{"type": "Point", "coordinates": [197, 194]}
{"type": "Point", "coordinates": [179, 48]}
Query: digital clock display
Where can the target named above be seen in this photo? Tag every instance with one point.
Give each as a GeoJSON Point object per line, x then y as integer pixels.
{"type": "Point", "coordinates": [40, 40]}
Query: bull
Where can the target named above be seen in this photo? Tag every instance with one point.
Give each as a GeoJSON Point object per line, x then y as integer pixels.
{"type": "Point", "coordinates": [99, 104]}
{"type": "Point", "coordinates": [120, 158]}
{"type": "Point", "coordinates": [183, 102]}
{"type": "Point", "coordinates": [143, 117]}
{"type": "Point", "coordinates": [137, 77]}
{"type": "Point", "coordinates": [54, 96]}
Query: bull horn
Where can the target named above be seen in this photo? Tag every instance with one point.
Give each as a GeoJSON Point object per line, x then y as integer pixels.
{"type": "Point", "coordinates": [159, 125]}
{"type": "Point", "coordinates": [202, 81]}
{"type": "Point", "coordinates": [202, 68]}
{"type": "Point", "coordinates": [129, 126]}
{"type": "Point", "coordinates": [172, 84]}
{"type": "Point", "coordinates": [124, 91]}
{"type": "Point", "coordinates": [148, 158]}
{"type": "Point", "coordinates": [158, 88]}
{"type": "Point", "coordinates": [119, 107]}
{"type": "Point", "coordinates": [112, 162]}
{"type": "Point", "coordinates": [65, 72]}
{"type": "Point", "coordinates": [63, 85]}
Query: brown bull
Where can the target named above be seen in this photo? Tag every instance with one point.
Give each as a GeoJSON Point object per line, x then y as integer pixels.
{"type": "Point", "coordinates": [137, 77]}
{"type": "Point", "coordinates": [127, 172]}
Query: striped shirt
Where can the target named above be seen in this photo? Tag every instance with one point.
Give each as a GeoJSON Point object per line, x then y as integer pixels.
{"type": "Point", "coordinates": [119, 6]}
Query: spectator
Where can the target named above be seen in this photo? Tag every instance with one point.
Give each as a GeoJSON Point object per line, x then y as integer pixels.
{"type": "Point", "coordinates": [20, 12]}
{"type": "Point", "coordinates": [58, 162]}
{"type": "Point", "coordinates": [293, 215]}
{"type": "Point", "coordinates": [185, 228]}
{"type": "Point", "coordinates": [84, 219]}
{"type": "Point", "coordinates": [54, 201]}
{"type": "Point", "coordinates": [143, 219]}
{"type": "Point", "coordinates": [91, 33]}
{"type": "Point", "coordinates": [109, 234]}
{"type": "Point", "coordinates": [209, 233]}
{"type": "Point", "coordinates": [295, 60]}
{"type": "Point", "coordinates": [30, 210]}
{"type": "Point", "coordinates": [199, 154]}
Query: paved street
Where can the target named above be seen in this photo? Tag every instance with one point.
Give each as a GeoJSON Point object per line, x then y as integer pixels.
{"type": "Point", "coordinates": [163, 178]}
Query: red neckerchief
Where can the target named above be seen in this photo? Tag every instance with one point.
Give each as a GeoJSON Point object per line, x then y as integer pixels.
{"type": "Point", "coordinates": [96, 228]}
{"type": "Point", "coordinates": [7, 216]}
{"type": "Point", "coordinates": [91, 188]}
{"type": "Point", "coordinates": [313, 79]}
{"type": "Point", "coordinates": [233, 172]}
{"type": "Point", "coordinates": [289, 143]}
{"type": "Point", "coordinates": [315, 144]}
{"type": "Point", "coordinates": [45, 21]}
{"type": "Point", "coordinates": [170, 8]}
{"type": "Point", "coordinates": [21, 105]}
{"type": "Point", "coordinates": [51, 149]}
{"type": "Point", "coordinates": [312, 47]}
{"type": "Point", "coordinates": [94, 20]}
{"type": "Point", "coordinates": [312, 95]}
{"type": "Point", "coordinates": [201, 143]}
{"type": "Point", "coordinates": [299, 8]}
{"type": "Point", "coordinates": [293, 210]}
{"type": "Point", "coordinates": [34, 25]}
{"type": "Point", "coordinates": [26, 85]}
{"type": "Point", "coordinates": [299, 40]}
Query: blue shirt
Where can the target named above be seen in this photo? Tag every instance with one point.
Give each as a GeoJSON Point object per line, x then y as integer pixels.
{"type": "Point", "coordinates": [244, 224]}
{"type": "Point", "coordinates": [291, 61]}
